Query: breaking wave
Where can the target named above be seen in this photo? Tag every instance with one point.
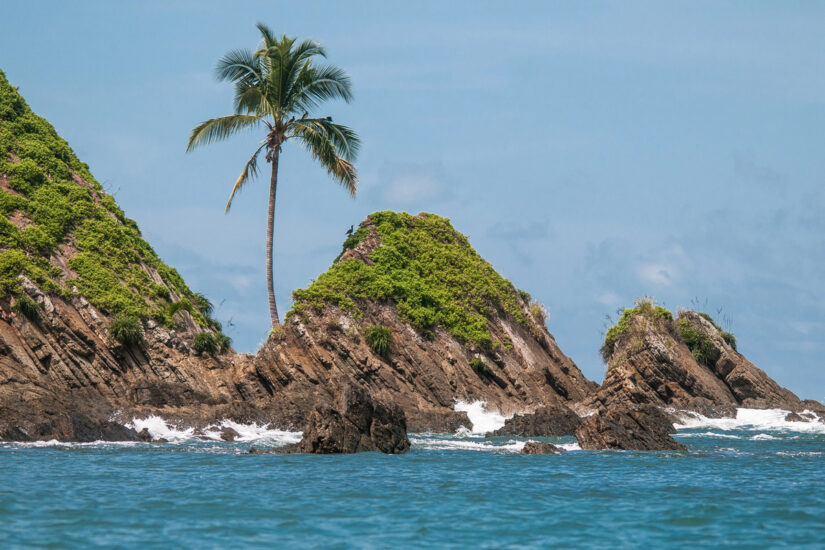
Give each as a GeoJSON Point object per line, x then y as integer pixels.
{"type": "Point", "coordinates": [483, 421]}
{"type": "Point", "coordinates": [159, 428]}
{"type": "Point", "coordinates": [753, 420]}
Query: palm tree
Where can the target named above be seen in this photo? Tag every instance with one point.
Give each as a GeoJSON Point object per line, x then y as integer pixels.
{"type": "Point", "coordinates": [276, 87]}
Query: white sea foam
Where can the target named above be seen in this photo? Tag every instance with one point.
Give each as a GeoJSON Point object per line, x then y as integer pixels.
{"type": "Point", "coordinates": [440, 444]}
{"type": "Point", "coordinates": [68, 444]}
{"type": "Point", "coordinates": [483, 421]}
{"type": "Point", "coordinates": [761, 420]}
{"type": "Point", "coordinates": [160, 429]}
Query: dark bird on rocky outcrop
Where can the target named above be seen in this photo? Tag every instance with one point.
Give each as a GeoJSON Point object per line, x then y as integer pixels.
{"type": "Point", "coordinates": [349, 231]}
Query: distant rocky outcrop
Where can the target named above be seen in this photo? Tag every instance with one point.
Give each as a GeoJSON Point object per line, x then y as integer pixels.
{"type": "Point", "coordinates": [640, 428]}
{"type": "Point", "coordinates": [687, 363]}
{"type": "Point", "coordinates": [555, 420]}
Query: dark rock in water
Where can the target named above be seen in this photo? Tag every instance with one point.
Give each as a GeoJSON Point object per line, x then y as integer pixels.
{"type": "Point", "coordinates": [357, 424]}
{"type": "Point", "coordinates": [795, 417]}
{"type": "Point", "coordinates": [14, 434]}
{"type": "Point", "coordinates": [540, 448]}
{"type": "Point", "coordinates": [643, 428]}
{"type": "Point", "coordinates": [554, 420]}
{"type": "Point", "coordinates": [146, 437]}
{"type": "Point", "coordinates": [229, 434]}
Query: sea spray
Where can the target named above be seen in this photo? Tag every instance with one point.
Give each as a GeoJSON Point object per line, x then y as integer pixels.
{"type": "Point", "coordinates": [751, 420]}
{"type": "Point", "coordinates": [159, 429]}
{"type": "Point", "coordinates": [483, 420]}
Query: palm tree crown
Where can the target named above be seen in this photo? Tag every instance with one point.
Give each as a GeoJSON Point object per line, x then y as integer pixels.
{"type": "Point", "coordinates": [276, 87]}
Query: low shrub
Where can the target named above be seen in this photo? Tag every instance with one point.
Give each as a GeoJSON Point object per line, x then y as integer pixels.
{"type": "Point", "coordinates": [378, 338]}
{"type": "Point", "coordinates": [538, 311]}
{"type": "Point", "coordinates": [28, 308]}
{"type": "Point", "coordinates": [645, 306]}
{"type": "Point", "coordinates": [205, 342]}
{"type": "Point", "coordinates": [224, 342]}
{"type": "Point", "coordinates": [480, 367]}
{"type": "Point", "coordinates": [729, 338]}
{"type": "Point", "coordinates": [126, 329]}
{"type": "Point", "coordinates": [699, 343]}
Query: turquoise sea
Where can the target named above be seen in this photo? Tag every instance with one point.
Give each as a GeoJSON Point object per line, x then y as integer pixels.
{"type": "Point", "coordinates": [753, 482]}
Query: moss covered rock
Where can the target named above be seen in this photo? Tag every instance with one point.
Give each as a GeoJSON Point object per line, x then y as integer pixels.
{"type": "Point", "coordinates": [428, 270]}
{"type": "Point", "coordinates": [61, 230]}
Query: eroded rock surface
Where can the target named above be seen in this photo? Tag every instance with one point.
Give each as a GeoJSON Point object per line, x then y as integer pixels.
{"type": "Point", "coordinates": [555, 420]}
{"type": "Point", "coordinates": [652, 364]}
{"type": "Point", "coordinates": [540, 448]}
{"type": "Point", "coordinates": [640, 428]}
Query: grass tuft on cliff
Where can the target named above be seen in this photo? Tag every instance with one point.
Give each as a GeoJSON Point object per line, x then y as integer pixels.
{"type": "Point", "coordinates": [646, 307]}
{"type": "Point", "coordinates": [728, 337]}
{"type": "Point", "coordinates": [428, 270]}
{"type": "Point", "coordinates": [53, 210]}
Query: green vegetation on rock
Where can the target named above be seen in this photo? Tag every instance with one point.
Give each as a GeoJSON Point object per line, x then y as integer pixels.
{"type": "Point", "coordinates": [53, 210]}
{"type": "Point", "coordinates": [729, 338]}
{"type": "Point", "coordinates": [429, 271]}
{"type": "Point", "coordinates": [126, 329]}
{"type": "Point", "coordinates": [28, 308]}
{"type": "Point", "coordinates": [206, 342]}
{"type": "Point", "coordinates": [699, 343]}
{"type": "Point", "coordinates": [646, 307]}
{"type": "Point", "coordinates": [378, 338]}
{"type": "Point", "coordinates": [480, 367]}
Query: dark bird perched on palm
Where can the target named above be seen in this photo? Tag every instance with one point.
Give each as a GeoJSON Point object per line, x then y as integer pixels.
{"type": "Point", "coordinates": [272, 86]}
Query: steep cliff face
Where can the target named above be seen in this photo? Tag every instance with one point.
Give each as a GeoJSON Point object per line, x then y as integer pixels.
{"type": "Point", "coordinates": [687, 363]}
{"type": "Point", "coordinates": [454, 329]}
{"type": "Point", "coordinates": [77, 280]}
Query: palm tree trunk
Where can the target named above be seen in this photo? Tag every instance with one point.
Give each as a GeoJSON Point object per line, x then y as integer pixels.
{"type": "Point", "coordinates": [270, 229]}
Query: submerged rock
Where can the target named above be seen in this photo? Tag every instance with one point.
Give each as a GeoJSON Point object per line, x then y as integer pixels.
{"type": "Point", "coordinates": [229, 434]}
{"type": "Point", "coordinates": [553, 420]}
{"type": "Point", "coordinates": [540, 448]}
{"type": "Point", "coordinates": [642, 428]}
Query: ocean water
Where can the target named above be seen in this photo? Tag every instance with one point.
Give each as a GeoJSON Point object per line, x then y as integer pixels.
{"type": "Point", "coordinates": [756, 481]}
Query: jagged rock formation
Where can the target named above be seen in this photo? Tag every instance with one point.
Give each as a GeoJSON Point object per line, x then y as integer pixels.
{"type": "Point", "coordinates": [356, 423]}
{"type": "Point", "coordinates": [687, 364]}
{"type": "Point", "coordinates": [95, 328]}
{"type": "Point", "coordinates": [556, 420]}
{"type": "Point", "coordinates": [640, 428]}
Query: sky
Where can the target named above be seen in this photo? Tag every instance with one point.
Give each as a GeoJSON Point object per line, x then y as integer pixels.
{"type": "Point", "coordinates": [593, 152]}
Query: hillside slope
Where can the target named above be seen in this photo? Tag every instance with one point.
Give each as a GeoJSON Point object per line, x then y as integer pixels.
{"type": "Point", "coordinates": [91, 319]}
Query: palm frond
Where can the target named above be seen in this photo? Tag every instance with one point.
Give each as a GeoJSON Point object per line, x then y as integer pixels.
{"type": "Point", "coordinates": [250, 170]}
{"type": "Point", "coordinates": [346, 141]}
{"type": "Point", "coordinates": [217, 129]}
{"type": "Point", "coordinates": [318, 143]}
{"type": "Point", "coordinates": [318, 84]}
{"type": "Point", "coordinates": [239, 65]}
